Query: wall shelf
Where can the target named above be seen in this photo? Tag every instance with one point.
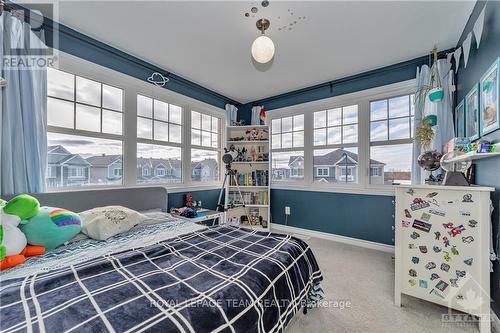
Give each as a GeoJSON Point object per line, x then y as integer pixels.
{"type": "Point", "coordinates": [247, 141]}
{"type": "Point", "coordinates": [470, 157]}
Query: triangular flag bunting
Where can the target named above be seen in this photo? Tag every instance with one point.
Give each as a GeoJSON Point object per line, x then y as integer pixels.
{"type": "Point", "coordinates": [456, 55]}
{"type": "Point", "coordinates": [449, 56]}
{"type": "Point", "coordinates": [478, 27]}
{"type": "Point", "coordinates": [466, 48]}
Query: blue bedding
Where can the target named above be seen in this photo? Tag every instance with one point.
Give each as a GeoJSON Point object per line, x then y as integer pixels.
{"type": "Point", "coordinates": [218, 279]}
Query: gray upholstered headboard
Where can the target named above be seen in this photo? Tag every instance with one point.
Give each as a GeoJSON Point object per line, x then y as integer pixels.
{"type": "Point", "coordinates": [140, 198]}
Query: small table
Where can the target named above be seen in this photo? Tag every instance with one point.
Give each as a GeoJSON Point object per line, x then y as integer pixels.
{"type": "Point", "coordinates": [204, 215]}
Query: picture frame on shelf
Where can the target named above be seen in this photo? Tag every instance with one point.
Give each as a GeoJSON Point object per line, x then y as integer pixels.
{"type": "Point", "coordinates": [460, 119]}
{"type": "Point", "coordinates": [472, 113]}
{"type": "Point", "coordinates": [489, 114]}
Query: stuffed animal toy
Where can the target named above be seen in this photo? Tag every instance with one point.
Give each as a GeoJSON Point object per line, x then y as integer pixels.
{"type": "Point", "coordinates": [14, 248]}
{"type": "Point", "coordinates": [51, 227]}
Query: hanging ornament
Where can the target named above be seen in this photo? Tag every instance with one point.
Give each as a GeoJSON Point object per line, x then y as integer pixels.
{"type": "Point", "coordinates": [436, 92]}
{"type": "Point", "coordinates": [478, 27]}
{"type": "Point", "coordinates": [466, 48]}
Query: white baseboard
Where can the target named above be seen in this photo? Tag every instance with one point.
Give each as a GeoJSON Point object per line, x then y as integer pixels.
{"type": "Point", "coordinates": [336, 238]}
{"type": "Point", "coordinates": [495, 322]}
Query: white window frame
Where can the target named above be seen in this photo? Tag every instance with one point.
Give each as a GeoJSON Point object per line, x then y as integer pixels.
{"type": "Point", "coordinates": [222, 140]}
{"type": "Point", "coordinates": [362, 99]}
{"type": "Point", "coordinates": [117, 172]}
{"type": "Point", "coordinates": [323, 174]}
{"type": "Point", "coordinates": [375, 174]}
{"type": "Point", "coordinates": [131, 88]}
{"type": "Point", "coordinates": [391, 142]}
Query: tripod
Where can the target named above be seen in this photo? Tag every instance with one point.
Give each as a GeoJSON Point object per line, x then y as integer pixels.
{"type": "Point", "coordinates": [231, 174]}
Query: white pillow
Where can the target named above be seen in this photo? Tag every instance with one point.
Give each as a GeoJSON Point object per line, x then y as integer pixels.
{"type": "Point", "coordinates": [104, 222]}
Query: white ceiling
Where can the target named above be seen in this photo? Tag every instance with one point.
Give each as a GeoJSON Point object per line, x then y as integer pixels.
{"type": "Point", "coordinates": [209, 42]}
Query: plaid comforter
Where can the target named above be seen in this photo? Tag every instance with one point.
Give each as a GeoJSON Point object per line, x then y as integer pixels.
{"type": "Point", "coordinates": [221, 279]}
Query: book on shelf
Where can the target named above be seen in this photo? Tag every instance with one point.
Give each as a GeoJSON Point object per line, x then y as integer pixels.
{"type": "Point", "coordinates": [249, 198]}
{"type": "Point", "coordinates": [253, 178]}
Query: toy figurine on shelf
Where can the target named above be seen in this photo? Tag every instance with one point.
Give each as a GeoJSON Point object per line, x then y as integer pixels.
{"type": "Point", "coordinates": [252, 134]}
{"type": "Point", "coordinates": [188, 201]}
{"type": "Point", "coordinates": [254, 154]}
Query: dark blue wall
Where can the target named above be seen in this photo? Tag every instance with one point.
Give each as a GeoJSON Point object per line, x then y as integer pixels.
{"type": "Point", "coordinates": [375, 78]}
{"type": "Point", "coordinates": [368, 217]}
{"type": "Point", "coordinates": [487, 170]}
{"type": "Point", "coordinates": [208, 197]}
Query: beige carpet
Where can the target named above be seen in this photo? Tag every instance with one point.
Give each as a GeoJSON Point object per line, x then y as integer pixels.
{"type": "Point", "coordinates": [366, 278]}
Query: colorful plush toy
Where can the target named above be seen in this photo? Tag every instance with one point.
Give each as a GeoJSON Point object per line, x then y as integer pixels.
{"type": "Point", "coordinates": [14, 246]}
{"type": "Point", "coordinates": [51, 227]}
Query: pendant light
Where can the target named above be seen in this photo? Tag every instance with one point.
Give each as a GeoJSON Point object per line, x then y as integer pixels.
{"type": "Point", "coordinates": [263, 46]}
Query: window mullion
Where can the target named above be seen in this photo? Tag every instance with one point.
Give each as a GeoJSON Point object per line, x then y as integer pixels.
{"type": "Point", "coordinates": [129, 148]}
{"type": "Point", "coordinates": [364, 143]}
{"type": "Point", "coordinates": [308, 147]}
{"type": "Point", "coordinates": [186, 156]}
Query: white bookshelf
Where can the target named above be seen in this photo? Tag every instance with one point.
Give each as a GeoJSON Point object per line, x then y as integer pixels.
{"type": "Point", "coordinates": [253, 176]}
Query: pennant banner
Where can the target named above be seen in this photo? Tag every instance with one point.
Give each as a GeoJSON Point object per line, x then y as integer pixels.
{"type": "Point", "coordinates": [456, 55]}
{"type": "Point", "coordinates": [478, 27]}
{"type": "Point", "coordinates": [449, 56]}
{"type": "Point", "coordinates": [466, 48]}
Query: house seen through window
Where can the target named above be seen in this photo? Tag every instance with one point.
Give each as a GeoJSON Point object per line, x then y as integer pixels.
{"type": "Point", "coordinates": [85, 133]}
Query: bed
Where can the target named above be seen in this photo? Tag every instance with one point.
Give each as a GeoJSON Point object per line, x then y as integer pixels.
{"type": "Point", "coordinates": [170, 276]}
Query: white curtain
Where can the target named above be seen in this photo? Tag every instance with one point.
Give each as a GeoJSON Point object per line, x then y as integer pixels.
{"type": "Point", "coordinates": [231, 114]}
{"type": "Point", "coordinates": [444, 130]}
{"type": "Point", "coordinates": [23, 112]}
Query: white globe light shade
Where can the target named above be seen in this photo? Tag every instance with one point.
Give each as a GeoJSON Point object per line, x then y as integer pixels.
{"type": "Point", "coordinates": [263, 49]}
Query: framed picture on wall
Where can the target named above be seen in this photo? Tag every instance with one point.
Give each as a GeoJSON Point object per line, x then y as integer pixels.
{"type": "Point", "coordinates": [472, 113]}
{"type": "Point", "coordinates": [460, 120]}
{"type": "Point", "coordinates": [489, 117]}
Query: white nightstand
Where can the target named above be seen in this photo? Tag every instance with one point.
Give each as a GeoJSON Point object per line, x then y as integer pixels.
{"type": "Point", "coordinates": [204, 215]}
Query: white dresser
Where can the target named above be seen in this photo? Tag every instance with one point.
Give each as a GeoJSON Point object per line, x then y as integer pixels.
{"type": "Point", "coordinates": [442, 248]}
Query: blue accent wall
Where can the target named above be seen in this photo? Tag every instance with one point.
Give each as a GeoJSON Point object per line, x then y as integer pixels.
{"type": "Point", "coordinates": [487, 170]}
{"type": "Point", "coordinates": [208, 198]}
{"type": "Point", "coordinates": [367, 217]}
{"type": "Point", "coordinates": [375, 78]}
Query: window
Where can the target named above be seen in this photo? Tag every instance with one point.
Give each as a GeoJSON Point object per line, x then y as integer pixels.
{"type": "Point", "coordinates": [80, 160]}
{"type": "Point", "coordinates": [85, 119]}
{"type": "Point", "coordinates": [159, 133]}
{"type": "Point", "coordinates": [391, 132]}
{"type": "Point", "coordinates": [81, 104]}
{"type": "Point", "coordinates": [158, 120]}
{"type": "Point", "coordinates": [288, 166]}
{"type": "Point", "coordinates": [206, 151]}
{"type": "Point", "coordinates": [336, 132]}
{"type": "Point", "coordinates": [336, 160]}
{"type": "Point", "coordinates": [160, 159]}
{"type": "Point", "coordinates": [336, 126]}
{"type": "Point", "coordinates": [87, 129]}
{"type": "Point", "coordinates": [356, 141]}
{"type": "Point", "coordinates": [375, 172]}
{"type": "Point", "coordinates": [287, 134]}
{"type": "Point", "coordinates": [160, 171]}
{"type": "Point", "coordinates": [322, 172]}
